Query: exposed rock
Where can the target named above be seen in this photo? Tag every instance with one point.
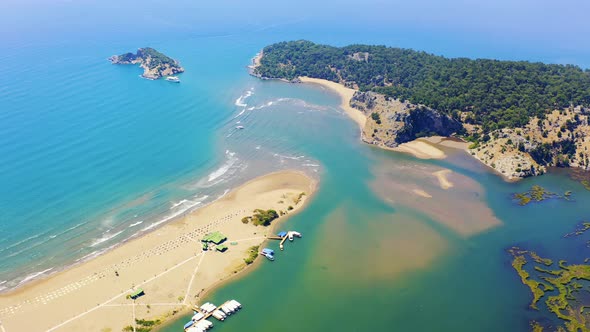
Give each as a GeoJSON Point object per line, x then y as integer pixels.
{"type": "Point", "coordinates": [360, 56]}
{"type": "Point", "coordinates": [561, 139]}
{"type": "Point", "coordinates": [392, 122]}
{"type": "Point", "coordinates": [154, 63]}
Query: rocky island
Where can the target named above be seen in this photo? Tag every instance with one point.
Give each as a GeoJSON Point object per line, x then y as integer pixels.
{"type": "Point", "coordinates": [154, 63]}
{"type": "Point", "coordinates": [519, 117]}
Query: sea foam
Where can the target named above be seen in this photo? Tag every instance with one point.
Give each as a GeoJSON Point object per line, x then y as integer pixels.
{"type": "Point", "coordinates": [34, 275]}
{"type": "Point", "coordinates": [231, 160]}
{"type": "Point", "coordinates": [241, 101]}
{"type": "Point", "coordinates": [136, 223]}
{"type": "Point", "coordinates": [106, 237]}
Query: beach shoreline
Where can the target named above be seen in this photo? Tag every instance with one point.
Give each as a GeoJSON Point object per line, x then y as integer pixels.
{"type": "Point", "coordinates": [345, 94]}
{"type": "Point", "coordinates": [419, 148]}
{"type": "Point", "coordinates": [96, 287]}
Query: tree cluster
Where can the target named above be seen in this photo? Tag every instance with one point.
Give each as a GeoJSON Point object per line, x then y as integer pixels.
{"type": "Point", "coordinates": [498, 94]}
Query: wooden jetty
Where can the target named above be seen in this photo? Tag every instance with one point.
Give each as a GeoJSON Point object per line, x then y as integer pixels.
{"type": "Point", "coordinates": [282, 239]}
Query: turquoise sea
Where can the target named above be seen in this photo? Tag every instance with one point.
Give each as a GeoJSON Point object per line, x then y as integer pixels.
{"type": "Point", "coordinates": [92, 155]}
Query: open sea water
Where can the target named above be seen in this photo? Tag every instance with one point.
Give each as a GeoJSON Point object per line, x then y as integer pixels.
{"type": "Point", "coordinates": [93, 155]}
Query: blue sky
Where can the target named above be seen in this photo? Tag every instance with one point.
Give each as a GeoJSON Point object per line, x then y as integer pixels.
{"type": "Point", "coordinates": [556, 30]}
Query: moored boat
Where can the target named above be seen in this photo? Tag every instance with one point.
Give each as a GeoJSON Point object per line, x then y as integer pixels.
{"type": "Point", "coordinates": [268, 253]}
{"type": "Point", "coordinates": [217, 314]}
{"type": "Point", "coordinates": [238, 304]}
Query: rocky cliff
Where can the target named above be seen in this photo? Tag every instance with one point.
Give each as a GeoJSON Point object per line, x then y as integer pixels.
{"type": "Point", "coordinates": [392, 122]}
{"type": "Point", "coordinates": [154, 63]}
{"type": "Point", "coordinates": [560, 139]}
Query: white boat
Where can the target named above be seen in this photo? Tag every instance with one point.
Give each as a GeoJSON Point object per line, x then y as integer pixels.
{"type": "Point", "coordinates": [194, 329]}
{"type": "Point", "coordinates": [218, 315]}
{"type": "Point", "coordinates": [239, 127]}
{"type": "Point", "coordinates": [197, 316]}
{"type": "Point", "coordinates": [208, 307]}
{"type": "Point", "coordinates": [296, 233]}
{"type": "Point", "coordinates": [226, 309]}
{"type": "Point", "coordinates": [173, 79]}
{"type": "Point", "coordinates": [231, 306]}
{"type": "Point", "coordinates": [221, 312]}
{"type": "Point", "coordinates": [236, 303]}
{"type": "Point", "coordinates": [202, 325]}
{"type": "Point", "coordinates": [290, 236]}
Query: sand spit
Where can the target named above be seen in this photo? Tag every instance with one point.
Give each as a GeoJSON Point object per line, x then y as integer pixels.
{"type": "Point", "coordinates": [168, 264]}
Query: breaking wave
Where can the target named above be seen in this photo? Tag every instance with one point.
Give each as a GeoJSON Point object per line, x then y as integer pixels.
{"type": "Point", "coordinates": [231, 161]}
{"type": "Point", "coordinates": [34, 275]}
{"type": "Point", "coordinates": [136, 223]}
{"type": "Point", "coordinates": [106, 237]}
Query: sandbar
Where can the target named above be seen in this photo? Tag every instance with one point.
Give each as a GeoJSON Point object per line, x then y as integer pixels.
{"type": "Point", "coordinates": [168, 264]}
{"type": "Point", "coordinates": [421, 149]}
{"type": "Point", "coordinates": [422, 193]}
{"type": "Point", "coordinates": [443, 181]}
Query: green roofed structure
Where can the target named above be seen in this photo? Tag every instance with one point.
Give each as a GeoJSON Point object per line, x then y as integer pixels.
{"type": "Point", "coordinates": [215, 237]}
{"type": "Point", "coordinates": [139, 292]}
{"type": "Point", "coordinates": [221, 248]}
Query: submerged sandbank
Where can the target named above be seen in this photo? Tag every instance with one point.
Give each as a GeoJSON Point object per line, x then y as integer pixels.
{"type": "Point", "coordinates": [168, 264]}
{"type": "Point", "coordinates": [427, 190]}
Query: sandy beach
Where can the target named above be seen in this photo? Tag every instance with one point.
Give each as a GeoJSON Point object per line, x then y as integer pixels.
{"type": "Point", "coordinates": [418, 148]}
{"type": "Point", "coordinates": [345, 96]}
{"type": "Point", "coordinates": [421, 149]}
{"type": "Point", "coordinates": [168, 264]}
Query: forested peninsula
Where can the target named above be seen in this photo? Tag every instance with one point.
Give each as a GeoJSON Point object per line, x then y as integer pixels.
{"type": "Point", "coordinates": [154, 63]}
{"type": "Point", "coordinates": [519, 116]}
